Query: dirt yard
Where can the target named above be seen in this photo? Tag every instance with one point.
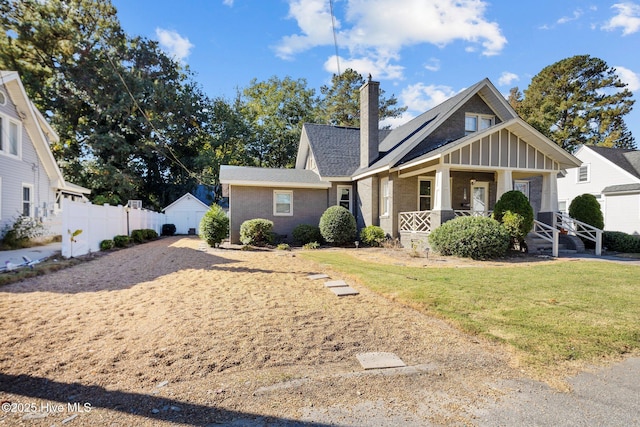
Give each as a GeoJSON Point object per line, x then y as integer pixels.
{"type": "Point", "coordinates": [166, 333]}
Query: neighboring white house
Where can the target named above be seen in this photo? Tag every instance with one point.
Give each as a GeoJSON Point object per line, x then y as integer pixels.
{"type": "Point", "coordinates": [186, 213]}
{"type": "Point", "coordinates": [31, 183]}
{"type": "Point", "coordinates": [612, 175]}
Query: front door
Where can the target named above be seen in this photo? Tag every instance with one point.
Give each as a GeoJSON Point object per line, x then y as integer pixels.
{"type": "Point", "coordinates": [480, 197]}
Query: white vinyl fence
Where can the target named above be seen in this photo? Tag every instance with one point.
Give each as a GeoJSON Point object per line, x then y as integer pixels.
{"type": "Point", "coordinates": [100, 223]}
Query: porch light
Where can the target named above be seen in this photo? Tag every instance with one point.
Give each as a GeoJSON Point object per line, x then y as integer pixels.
{"type": "Point", "coordinates": [473, 182]}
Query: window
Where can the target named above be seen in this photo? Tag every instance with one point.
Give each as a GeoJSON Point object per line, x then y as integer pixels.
{"type": "Point", "coordinates": [476, 122]}
{"type": "Point", "coordinates": [344, 196]}
{"type": "Point", "coordinates": [282, 203]}
{"type": "Point", "coordinates": [385, 197]}
{"type": "Point", "coordinates": [10, 137]}
{"type": "Point", "coordinates": [562, 206]}
{"type": "Point", "coordinates": [583, 173]}
{"type": "Point", "coordinates": [3, 98]}
{"type": "Point", "coordinates": [425, 195]}
{"type": "Point", "coordinates": [522, 186]}
{"type": "Point", "coordinates": [27, 199]}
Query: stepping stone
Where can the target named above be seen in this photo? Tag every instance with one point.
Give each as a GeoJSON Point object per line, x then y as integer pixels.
{"type": "Point", "coordinates": [317, 276]}
{"type": "Point", "coordinates": [335, 284]}
{"type": "Point", "coordinates": [343, 291]}
{"type": "Point", "coordinates": [379, 360]}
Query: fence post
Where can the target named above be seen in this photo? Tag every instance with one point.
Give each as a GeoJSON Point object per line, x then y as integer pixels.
{"type": "Point", "coordinates": [598, 243]}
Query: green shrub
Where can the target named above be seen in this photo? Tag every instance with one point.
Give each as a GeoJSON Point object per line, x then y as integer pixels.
{"type": "Point", "coordinates": [256, 232]}
{"type": "Point", "coordinates": [150, 234]}
{"type": "Point", "coordinates": [105, 245]}
{"type": "Point", "coordinates": [517, 203]}
{"type": "Point", "coordinates": [311, 245]}
{"type": "Point", "coordinates": [471, 237]}
{"type": "Point", "coordinates": [168, 229]}
{"type": "Point", "coordinates": [121, 241]}
{"type": "Point", "coordinates": [372, 235]}
{"type": "Point", "coordinates": [214, 226]}
{"type": "Point", "coordinates": [138, 236]}
{"type": "Point", "coordinates": [305, 233]}
{"type": "Point", "coordinates": [337, 225]}
{"type": "Point", "coordinates": [618, 241]}
{"type": "Point", "coordinates": [512, 222]}
{"type": "Point", "coordinates": [283, 247]}
{"type": "Point", "coordinates": [586, 208]}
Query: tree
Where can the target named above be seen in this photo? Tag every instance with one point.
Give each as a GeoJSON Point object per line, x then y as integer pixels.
{"type": "Point", "coordinates": [276, 109]}
{"type": "Point", "coordinates": [341, 103]}
{"type": "Point", "coordinates": [578, 100]}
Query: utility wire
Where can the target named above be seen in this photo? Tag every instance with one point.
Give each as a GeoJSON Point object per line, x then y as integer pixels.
{"type": "Point", "coordinates": [335, 37]}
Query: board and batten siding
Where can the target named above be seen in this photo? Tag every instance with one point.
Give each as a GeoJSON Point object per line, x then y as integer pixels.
{"type": "Point", "coordinates": [247, 203]}
{"type": "Point", "coordinates": [16, 171]}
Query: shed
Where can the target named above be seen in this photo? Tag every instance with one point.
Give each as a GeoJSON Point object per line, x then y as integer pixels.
{"type": "Point", "coordinates": [186, 213]}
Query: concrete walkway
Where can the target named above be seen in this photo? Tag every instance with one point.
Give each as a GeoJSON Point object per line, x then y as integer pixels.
{"type": "Point", "coordinates": [35, 253]}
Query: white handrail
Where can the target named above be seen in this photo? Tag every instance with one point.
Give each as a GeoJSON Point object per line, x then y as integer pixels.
{"type": "Point", "coordinates": [548, 233]}
{"type": "Point", "coordinates": [580, 229]}
{"type": "Point", "coordinates": [418, 221]}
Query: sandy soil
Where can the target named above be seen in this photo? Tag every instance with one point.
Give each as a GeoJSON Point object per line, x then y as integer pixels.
{"type": "Point", "coordinates": [167, 333]}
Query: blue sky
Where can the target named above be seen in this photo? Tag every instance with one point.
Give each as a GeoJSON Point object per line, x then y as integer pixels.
{"type": "Point", "coordinates": [422, 51]}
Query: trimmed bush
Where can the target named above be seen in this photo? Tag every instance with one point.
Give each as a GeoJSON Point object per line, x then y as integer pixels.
{"type": "Point", "coordinates": [372, 235]}
{"type": "Point", "coordinates": [214, 226]}
{"type": "Point", "coordinates": [121, 241]}
{"type": "Point", "coordinates": [168, 229]}
{"type": "Point", "coordinates": [337, 225]}
{"type": "Point", "coordinates": [150, 234]}
{"type": "Point", "coordinates": [256, 232]}
{"type": "Point", "coordinates": [105, 245]}
{"type": "Point", "coordinates": [23, 229]}
{"type": "Point", "coordinates": [618, 241]}
{"type": "Point", "coordinates": [471, 237]}
{"type": "Point", "coordinates": [305, 233]}
{"type": "Point", "coordinates": [586, 208]}
{"type": "Point", "coordinates": [138, 236]}
{"type": "Point", "coordinates": [516, 203]}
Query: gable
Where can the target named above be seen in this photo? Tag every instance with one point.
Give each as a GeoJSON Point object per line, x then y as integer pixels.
{"type": "Point", "coordinates": [188, 202]}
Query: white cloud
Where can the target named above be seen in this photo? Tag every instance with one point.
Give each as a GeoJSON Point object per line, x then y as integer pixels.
{"type": "Point", "coordinates": [629, 77]}
{"type": "Point", "coordinates": [380, 68]}
{"type": "Point", "coordinates": [433, 64]}
{"type": "Point", "coordinates": [420, 97]}
{"type": "Point", "coordinates": [628, 18]}
{"type": "Point", "coordinates": [228, 2]}
{"type": "Point", "coordinates": [174, 44]}
{"type": "Point", "coordinates": [576, 15]}
{"type": "Point", "coordinates": [382, 28]}
{"type": "Point", "coordinates": [506, 78]}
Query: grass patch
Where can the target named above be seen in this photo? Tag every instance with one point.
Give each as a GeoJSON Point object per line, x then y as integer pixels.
{"type": "Point", "coordinates": [550, 313]}
{"type": "Point", "coordinates": [47, 266]}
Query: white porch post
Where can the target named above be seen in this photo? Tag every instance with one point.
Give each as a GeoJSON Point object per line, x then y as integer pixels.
{"type": "Point", "coordinates": [442, 200]}
{"type": "Point", "coordinates": [549, 202]}
{"type": "Point", "coordinates": [505, 182]}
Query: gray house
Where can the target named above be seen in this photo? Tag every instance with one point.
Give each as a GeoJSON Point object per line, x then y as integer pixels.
{"type": "Point", "coordinates": [455, 159]}
{"type": "Point", "coordinates": [31, 183]}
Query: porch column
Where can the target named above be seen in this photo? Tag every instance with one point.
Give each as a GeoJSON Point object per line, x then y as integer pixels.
{"type": "Point", "coordinates": [504, 182]}
{"type": "Point", "coordinates": [442, 200]}
{"type": "Point", "coordinates": [549, 199]}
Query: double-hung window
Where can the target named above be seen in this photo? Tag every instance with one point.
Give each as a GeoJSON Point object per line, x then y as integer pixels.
{"type": "Point", "coordinates": [584, 173]}
{"type": "Point", "coordinates": [282, 202]}
{"type": "Point", "coordinates": [385, 197]}
{"type": "Point", "coordinates": [10, 137]}
{"type": "Point", "coordinates": [27, 200]}
{"type": "Point", "coordinates": [476, 122]}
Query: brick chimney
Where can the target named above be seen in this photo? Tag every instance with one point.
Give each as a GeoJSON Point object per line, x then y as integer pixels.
{"type": "Point", "coordinates": [369, 93]}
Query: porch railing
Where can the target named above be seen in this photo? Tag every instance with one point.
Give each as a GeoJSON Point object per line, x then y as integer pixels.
{"type": "Point", "coordinates": [418, 221]}
{"type": "Point", "coordinates": [578, 228]}
{"type": "Point", "coordinates": [547, 233]}
{"type": "Point", "coordinates": [472, 213]}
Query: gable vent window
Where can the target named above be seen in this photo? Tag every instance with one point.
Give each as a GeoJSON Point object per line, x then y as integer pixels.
{"type": "Point", "coordinates": [3, 98]}
{"type": "Point", "coordinates": [583, 173]}
{"type": "Point", "coordinates": [476, 122]}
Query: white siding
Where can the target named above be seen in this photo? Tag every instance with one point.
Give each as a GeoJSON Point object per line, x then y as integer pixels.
{"type": "Point", "coordinates": [185, 213]}
{"type": "Point", "coordinates": [621, 213]}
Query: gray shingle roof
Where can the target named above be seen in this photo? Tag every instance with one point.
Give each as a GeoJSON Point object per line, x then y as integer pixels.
{"type": "Point", "coordinates": [268, 177]}
{"type": "Point", "coordinates": [627, 159]}
{"type": "Point", "coordinates": [623, 188]}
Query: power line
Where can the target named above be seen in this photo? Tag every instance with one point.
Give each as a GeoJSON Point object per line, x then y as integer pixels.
{"type": "Point", "coordinates": [335, 37]}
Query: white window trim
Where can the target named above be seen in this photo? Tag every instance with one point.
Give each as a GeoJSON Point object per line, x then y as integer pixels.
{"type": "Point", "coordinates": [6, 142]}
{"type": "Point", "coordinates": [519, 181]}
{"type": "Point", "coordinates": [433, 189]}
{"type": "Point", "coordinates": [478, 117]}
{"type": "Point", "coordinates": [585, 165]}
{"type": "Point", "coordinates": [339, 189]}
{"type": "Point", "coordinates": [385, 198]}
{"type": "Point", "coordinates": [31, 201]}
{"type": "Point", "coordinates": [275, 200]}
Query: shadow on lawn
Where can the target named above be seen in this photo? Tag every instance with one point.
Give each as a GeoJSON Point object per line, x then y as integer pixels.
{"type": "Point", "coordinates": [142, 405]}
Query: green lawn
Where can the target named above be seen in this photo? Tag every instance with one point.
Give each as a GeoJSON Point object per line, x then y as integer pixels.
{"type": "Point", "coordinates": [552, 312]}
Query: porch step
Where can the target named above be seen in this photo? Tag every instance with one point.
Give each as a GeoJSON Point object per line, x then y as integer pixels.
{"type": "Point", "coordinates": [566, 244]}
